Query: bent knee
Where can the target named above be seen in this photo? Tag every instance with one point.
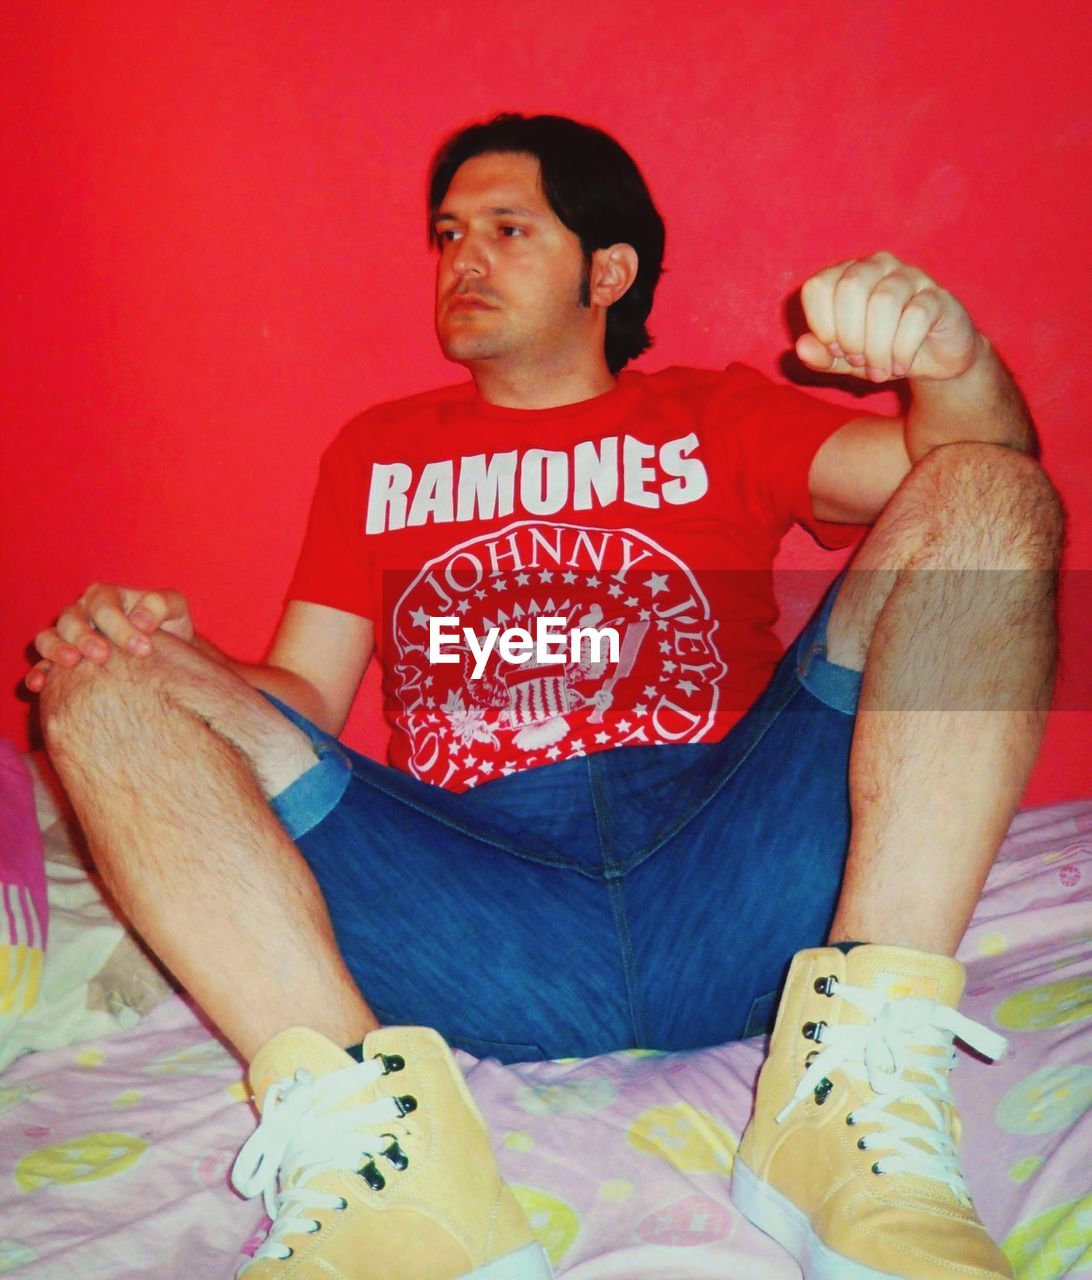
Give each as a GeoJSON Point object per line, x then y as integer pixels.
{"type": "Point", "coordinates": [81, 702]}
{"type": "Point", "coordinates": [1004, 493]}
{"type": "Point", "coordinates": [970, 467]}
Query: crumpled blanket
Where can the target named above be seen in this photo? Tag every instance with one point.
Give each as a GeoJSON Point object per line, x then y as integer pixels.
{"type": "Point", "coordinates": [93, 979]}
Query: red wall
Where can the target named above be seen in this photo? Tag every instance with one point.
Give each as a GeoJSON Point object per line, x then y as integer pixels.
{"type": "Point", "coordinates": [219, 252]}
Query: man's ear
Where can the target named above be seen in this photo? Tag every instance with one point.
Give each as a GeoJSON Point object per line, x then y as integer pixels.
{"type": "Point", "coordinates": [613, 270]}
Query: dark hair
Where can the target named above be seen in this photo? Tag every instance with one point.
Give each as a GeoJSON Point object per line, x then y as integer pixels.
{"type": "Point", "coordinates": [594, 187]}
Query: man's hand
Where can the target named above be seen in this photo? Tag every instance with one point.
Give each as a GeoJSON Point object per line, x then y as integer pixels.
{"type": "Point", "coordinates": [105, 616]}
{"type": "Point", "coordinates": [877, 318]}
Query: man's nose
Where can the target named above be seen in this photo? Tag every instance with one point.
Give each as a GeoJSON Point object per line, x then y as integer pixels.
{"type": "Point", "coordinates": [468, 257]}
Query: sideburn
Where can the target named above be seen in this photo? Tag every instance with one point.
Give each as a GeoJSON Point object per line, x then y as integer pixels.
{"type": "Point", "coordinates": [585, 283]}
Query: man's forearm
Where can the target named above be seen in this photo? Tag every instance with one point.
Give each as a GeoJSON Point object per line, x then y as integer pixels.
{"type": "Point", "coordinates": [982, 404]}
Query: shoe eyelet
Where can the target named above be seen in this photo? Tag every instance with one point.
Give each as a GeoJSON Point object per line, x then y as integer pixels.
{"type": "Point", "coordinates": [862, 1144]}
{"type": "Point", "coordinates": [876, 1169]}
{"type": "Point", "coordinates": [850, 1120]}
{"type": "Point", "coordinates": [391, 1062]}
{"type": "Point", "coordinates": [372, 1176]}
{"type": "Point", "coordinates": [394, 1153]}
{"type": "Point", "coordinates": [822, 1091]}
{"type": "Point", "coordinates": [405, 1104]}
{"type": "Point", "coordinates": [823, 986]}
{"type": "Point", "coordinates": [813, 1031]}
{"type": "Point", "coordinates": [810, 1058]}
{"type": "Point", "coordinates": [343, 1205]}
{"type": "Point", "coordinates": [316, 1227]}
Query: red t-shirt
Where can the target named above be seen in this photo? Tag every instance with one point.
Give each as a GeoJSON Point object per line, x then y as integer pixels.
{"type": "Point", "coordinates": [654, 510]}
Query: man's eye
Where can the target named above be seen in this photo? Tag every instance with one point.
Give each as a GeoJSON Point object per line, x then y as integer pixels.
{"type": "Point", "coordinates": [510, 231]}
{"type": "Point", "coordinates": [443, 236]}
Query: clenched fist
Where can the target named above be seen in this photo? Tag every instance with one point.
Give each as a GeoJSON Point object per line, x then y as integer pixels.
{"type": "Point", "coordinates": [877, 318]}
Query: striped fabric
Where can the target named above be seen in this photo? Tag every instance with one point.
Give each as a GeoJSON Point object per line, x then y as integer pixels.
{"type": "Point", "coordinates": [22, 888]}
{"type": "Point", "coordinates": [21, 950]}
{"type": "Point", "coordinates": [535, 696]}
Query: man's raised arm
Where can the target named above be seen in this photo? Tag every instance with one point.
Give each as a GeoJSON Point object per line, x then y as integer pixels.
{"type": "Point", "coordinates": [879, 319]}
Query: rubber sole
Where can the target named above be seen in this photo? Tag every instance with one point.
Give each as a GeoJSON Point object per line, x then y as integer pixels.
{"type": "Point", "coordinates": [782, 1221]}
{"type": "Point", "coordinates": [528, 1263]}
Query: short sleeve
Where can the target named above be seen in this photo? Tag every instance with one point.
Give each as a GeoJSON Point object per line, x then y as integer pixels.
{"type": "Point", "coordinates": [332, 568]}
{"type": "Point", "coordinates": [775, 432]}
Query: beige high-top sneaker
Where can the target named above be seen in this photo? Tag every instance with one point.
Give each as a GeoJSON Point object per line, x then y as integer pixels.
{"type": "Point", "coordinates": [851, 1158]}
{"type": "Point", "coordinates": [380, 1168]}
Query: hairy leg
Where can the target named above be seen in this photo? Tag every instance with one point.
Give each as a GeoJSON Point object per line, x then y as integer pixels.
{"type": "Point", "coordinates": [949, 609]}
{"type": "Point", "coordinates": [168, 760]}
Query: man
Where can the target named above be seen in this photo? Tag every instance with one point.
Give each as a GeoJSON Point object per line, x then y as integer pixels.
{"type": "Point", "coordinates": [571, 857]}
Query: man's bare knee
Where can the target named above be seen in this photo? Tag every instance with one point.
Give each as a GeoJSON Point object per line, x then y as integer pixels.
{"type": "Point", "coordinates": [984, 506]}
{"type": "Point", "coordinates": [95, 698]}
{"type": "Point", "coordinates": [989, 512]}
{"type": "Point", "coordinates": [84, 703]}
{"type": "Point", "coordinates": [94, 707]}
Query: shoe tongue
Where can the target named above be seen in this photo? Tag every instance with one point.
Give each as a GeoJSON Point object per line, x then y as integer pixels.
{"type": "Point", "coordinates": [900, 972]}
{"type": "Point", "coordinates": [281, 1057]}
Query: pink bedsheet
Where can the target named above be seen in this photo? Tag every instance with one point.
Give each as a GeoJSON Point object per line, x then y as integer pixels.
{"type": "Point", "coordinates": [114, 1154]}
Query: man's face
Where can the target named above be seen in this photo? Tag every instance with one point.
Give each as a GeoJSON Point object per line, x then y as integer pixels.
{"type": "Point", "coordinates": [510, 273]}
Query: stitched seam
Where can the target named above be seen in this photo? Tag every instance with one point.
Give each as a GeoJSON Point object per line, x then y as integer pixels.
{"type": "Point", "coordinates": [672, 831]}
{"type": "Point", "coordinates": [615, 890]}
{"type": "Point", "coordinates": [613, 873]}
{"type": "Point", "coordinates": [600, 809]}
{"type": "Point", "coordinates": [796, 686]}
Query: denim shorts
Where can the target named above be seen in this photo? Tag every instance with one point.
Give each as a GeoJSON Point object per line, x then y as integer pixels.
{"type": "Point", "coordinates": [641, 897]}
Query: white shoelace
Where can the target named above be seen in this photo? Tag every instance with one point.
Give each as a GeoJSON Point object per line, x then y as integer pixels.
{"type": "Point", "coordinates": [304, 1131]}
{"type": "Point", "coordinates": [908, 1035]}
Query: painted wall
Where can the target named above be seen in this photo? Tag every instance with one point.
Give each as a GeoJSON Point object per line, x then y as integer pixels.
{"type": "Point", "coordinates": [215, 251]}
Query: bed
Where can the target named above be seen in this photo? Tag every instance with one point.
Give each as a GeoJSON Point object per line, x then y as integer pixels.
{"type": "Point", "coordinates": [115, 1148]}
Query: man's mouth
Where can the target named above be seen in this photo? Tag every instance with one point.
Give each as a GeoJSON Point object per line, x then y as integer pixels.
{"type": "Point", "coordinates": [469, 302]}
